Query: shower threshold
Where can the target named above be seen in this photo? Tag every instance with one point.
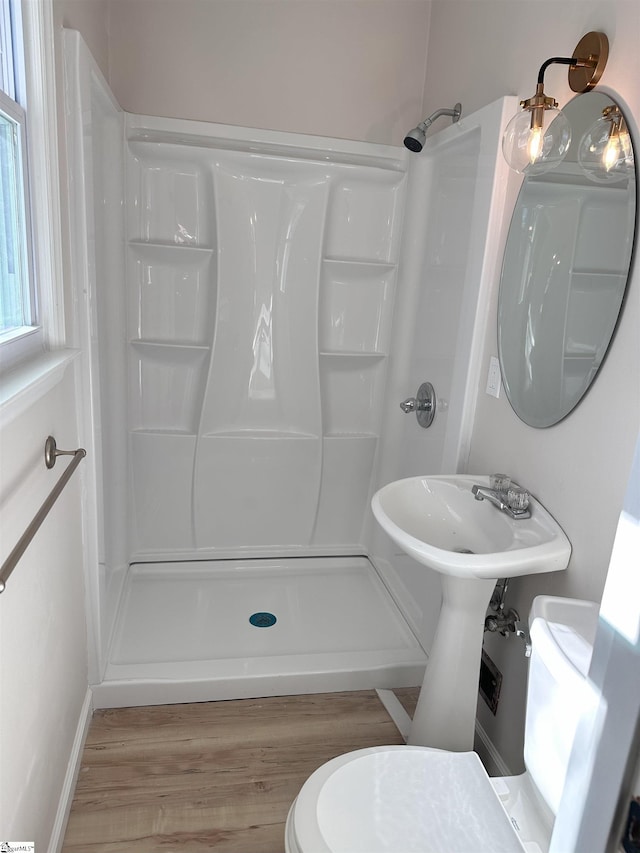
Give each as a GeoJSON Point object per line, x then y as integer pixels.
{"type": "Point", "coordinates": [205, 630]}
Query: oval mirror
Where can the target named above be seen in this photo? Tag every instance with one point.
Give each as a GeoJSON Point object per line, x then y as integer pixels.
{"type": "Point", "coordinates": [566, 266]}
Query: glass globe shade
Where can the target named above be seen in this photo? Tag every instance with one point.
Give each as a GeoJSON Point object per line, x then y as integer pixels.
{"type": "Point", "coordinates": [605, 157]}
{"type": "Point", "coordinates": [533, 152]}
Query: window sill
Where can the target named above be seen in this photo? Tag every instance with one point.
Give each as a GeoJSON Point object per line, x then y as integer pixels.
{"type": "Point", "coordinates": [29, 381]}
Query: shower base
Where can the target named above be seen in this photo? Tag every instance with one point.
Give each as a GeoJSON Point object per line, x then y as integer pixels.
{"type": "Point", "coordinates": [183, 632]}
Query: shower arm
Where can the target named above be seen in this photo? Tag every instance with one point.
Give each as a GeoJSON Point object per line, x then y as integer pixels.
{"type": "Point", "coordinates": [455, 114]}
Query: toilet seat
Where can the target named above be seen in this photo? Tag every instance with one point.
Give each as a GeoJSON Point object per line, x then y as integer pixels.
{"type": "Point", "coordinates": [400, 799]}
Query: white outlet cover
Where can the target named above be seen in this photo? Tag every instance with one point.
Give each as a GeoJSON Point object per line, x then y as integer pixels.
{"type": "Point", "coordinates": [493, 377]}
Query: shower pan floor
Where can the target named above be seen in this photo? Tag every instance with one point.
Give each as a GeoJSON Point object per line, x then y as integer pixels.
{"type": "Point", "coordinates": [183, 633]}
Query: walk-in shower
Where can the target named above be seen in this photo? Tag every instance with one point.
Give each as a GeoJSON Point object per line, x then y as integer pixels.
{"type": "Point", "coordinates": [238, 295]}
{"type": "Point", "coordinates": [241, 330]}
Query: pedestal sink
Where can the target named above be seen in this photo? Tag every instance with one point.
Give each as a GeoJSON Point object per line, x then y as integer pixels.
{"type": "Point", "coordinates": [439, 522]}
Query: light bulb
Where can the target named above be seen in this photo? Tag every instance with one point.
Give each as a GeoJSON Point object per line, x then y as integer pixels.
{"type": "Point", "coordinates": [605, 153]}
{"type": "Point", "coordinates": [535, 144]}
{"type": "Point", "coordinates": [535, 150]}
{"type": "Point", "coordinates": [612, 152]}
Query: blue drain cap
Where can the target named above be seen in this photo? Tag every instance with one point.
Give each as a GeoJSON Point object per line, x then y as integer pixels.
{"type": "Point", "coordinates": [263, 620]}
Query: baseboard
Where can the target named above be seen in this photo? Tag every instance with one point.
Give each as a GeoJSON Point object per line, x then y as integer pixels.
{"type": "Point", "coordinates": [489, 755]}
{"type": "Point", "coordinates": [71, 776]}
{"type": "Point", "coordinates": [396, 711]}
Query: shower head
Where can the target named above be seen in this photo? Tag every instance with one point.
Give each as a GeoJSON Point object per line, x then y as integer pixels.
{"type": "Point", "coordinates": [415, 139]}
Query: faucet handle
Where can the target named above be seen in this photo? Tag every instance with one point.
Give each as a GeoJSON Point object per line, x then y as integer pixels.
{"type": "Point", "coordinates": [523, 633]}
{"type": "Point", "coordinates": [517, 498]}
{"type": "Point", "coordinates": [423, 404]}
{"type": "Point", "coordinates": [500, 482]}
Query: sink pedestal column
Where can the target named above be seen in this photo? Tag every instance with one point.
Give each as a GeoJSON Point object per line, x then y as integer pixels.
{"type": "Point", "coordinates": [446, 711]}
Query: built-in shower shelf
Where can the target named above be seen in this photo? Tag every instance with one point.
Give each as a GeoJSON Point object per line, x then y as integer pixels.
{"type": "Point", "coordinates": [164, 432]}
{"type": "Point", "coordinates": [171, 247]}
{"type": "Point", "coordinates": [355, 308]}
{"type": "Point", "coordinates": [167, 347]}
{"type": "Point", "coordinates": [570, 174]}
{"type": "Point", "coordinates": [594, 276]}
{"type": "Point", "coordinates": [577, 363]}
{"type": "Point", "coordinates": [166, 383]}
{"type": "Point", "coordinates": [262, 433]}
{"type": "Point", "coordinates": [361, 263]}
{"type": "Point", "coordinates": [368, 436]}
{"type": "Point", "coordinates": [354, 354]}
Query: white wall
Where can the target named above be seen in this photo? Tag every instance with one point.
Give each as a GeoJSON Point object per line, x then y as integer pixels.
{"type": "Point", "coordinates": [578, 468]}
{"type": "Point", "coordinates": [43, 645]}
{"type": "Point", "coordinates": [43, 658]}
{"type": "Point", "coordinates": [352, 69]}
{"type": "Point", "coordinates": [91, 18]}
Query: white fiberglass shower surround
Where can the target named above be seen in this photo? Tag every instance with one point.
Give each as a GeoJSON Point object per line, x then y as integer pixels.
{"type": "Point", "coordinates": [239, 304]}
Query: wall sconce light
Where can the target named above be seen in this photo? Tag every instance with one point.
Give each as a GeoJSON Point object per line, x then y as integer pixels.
{"type": "Point", "coordinates": [537, 138]}
{"type": "Point", "coordinates": [605, 153]}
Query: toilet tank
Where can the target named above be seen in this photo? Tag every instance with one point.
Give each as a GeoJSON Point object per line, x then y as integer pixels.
{"type": "Point", "coordinates": [558, 693]}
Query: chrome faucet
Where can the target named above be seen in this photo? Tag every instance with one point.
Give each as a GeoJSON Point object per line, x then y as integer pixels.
{"type": "Point", "coordinates": [514, 502]}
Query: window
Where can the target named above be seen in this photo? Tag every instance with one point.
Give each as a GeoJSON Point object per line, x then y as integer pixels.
{"type": "Point", "coordinates": [17, 302]}
{"type": "Point", "coordinates": [30, 234]}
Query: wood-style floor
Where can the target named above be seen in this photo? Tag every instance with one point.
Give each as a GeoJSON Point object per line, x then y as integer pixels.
{"type": "Point", "coordinates": [212, 776]}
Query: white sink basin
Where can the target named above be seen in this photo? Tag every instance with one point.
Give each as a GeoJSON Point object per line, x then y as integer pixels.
{"type": "Point", "coordinates": [438, 521]}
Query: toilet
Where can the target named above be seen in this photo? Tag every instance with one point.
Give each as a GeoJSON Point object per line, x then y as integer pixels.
{"type": "Point", "coordinates": [412, 799]}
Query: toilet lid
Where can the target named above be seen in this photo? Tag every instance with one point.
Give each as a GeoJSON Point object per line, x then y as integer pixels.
{"type": "Point", "coordinates": [402, 799]}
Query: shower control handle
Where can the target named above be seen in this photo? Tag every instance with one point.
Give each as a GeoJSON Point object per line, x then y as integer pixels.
{"type": "Point", "coordinates": [423, 404]}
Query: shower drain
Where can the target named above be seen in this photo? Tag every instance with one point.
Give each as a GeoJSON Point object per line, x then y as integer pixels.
{"type": "Point", "coordinates": [262, 620]}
